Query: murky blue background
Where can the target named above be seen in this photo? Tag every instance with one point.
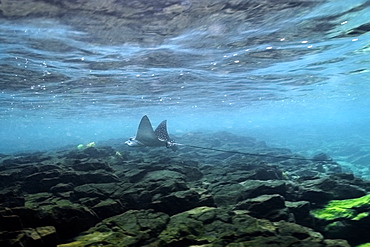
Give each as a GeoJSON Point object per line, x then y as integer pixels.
{"type": "Point", "coordinates": [295, 74]}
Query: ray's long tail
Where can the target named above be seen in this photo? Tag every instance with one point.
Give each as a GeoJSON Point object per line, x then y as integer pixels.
{"type": "Point", "coordinates": [174, 144]}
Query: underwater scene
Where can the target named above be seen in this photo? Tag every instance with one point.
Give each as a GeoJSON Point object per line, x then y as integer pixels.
{"type": "Point", "coordinates": [184, 123]}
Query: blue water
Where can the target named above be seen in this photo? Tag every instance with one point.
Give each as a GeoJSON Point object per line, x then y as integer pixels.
{"type": "Point", "coordinates": [296, 78]}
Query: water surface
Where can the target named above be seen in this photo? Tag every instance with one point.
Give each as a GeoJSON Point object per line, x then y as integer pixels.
{"type": "Point", "coordinates": [292, 73]}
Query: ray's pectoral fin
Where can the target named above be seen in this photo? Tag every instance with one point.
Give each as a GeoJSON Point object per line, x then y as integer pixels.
{"type": "Point", "coordinates": [145, 131]}
{"type": "Point", "coordinates": [161, 132]}
{"type": "Point", "coordinates": [145, 135]}
{"type": "Point", "coordinates": [162, 135]}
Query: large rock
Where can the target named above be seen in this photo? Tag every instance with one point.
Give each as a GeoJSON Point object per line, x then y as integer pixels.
{"type": "Point", "coordinates": [43, 209]}
{"type": "Point", "coordinates": [340, 186]}
{"type": "Point", "coordinates": [79, 178]}
{"type": "Point", "coordinates": [301, 212]}
{"type": "Point", "coordinates": [254, 188]}
{"type": "Point", "coordinates": [217, 227]}
{"type": "Point", "coordinates": [108, 208]}
{"type": "Point", "coordinates": [99, 190]}
{"type": "Point", "coordinates": [132, 228]}
{"type": "Point", "coordinates": [11, 197]}
{"type": "Point", "coordinates": [205, 226]}
{"type": "Point", "coordinates": [10, 222]}
{"type": "Point", "coordinates": [161, 169]}
{"type": "Point", "coordinates": [230, 193]}
{"type": "Point", "coordinates": [89, 164]}
{"type": "Point", "coordinates": [61, 187]}
{"type": "Point", "coordinates": [181, 201]}
{"type": "Point", "coordinates": [164, 188]}
{"type": "Point", "coordinates": [31, 237]}
{"type": "Point", "coordinates": [271, 207]}
{"type": "Point", "coordinates": [225, 193]}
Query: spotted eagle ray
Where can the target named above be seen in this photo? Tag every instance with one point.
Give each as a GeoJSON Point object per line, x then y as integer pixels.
{"type": "Point", "coordinates": [159, 137]}
{"type": "Point", "coordinates": [146, 136]}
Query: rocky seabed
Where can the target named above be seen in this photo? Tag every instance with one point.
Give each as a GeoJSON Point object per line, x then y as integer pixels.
{"type": "Point", "coordinates": [113, 195]}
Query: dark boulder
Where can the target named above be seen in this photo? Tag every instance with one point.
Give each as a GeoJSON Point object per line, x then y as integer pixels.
{"type": "Point", "coordinates": [44, 236]}
{"type": "Point", "coordinates": [204, 226]}
{"type": "Point", "coordinates": [89, 164]}
{"type": "Point", "coordinates": [94, 190]}
{"type": "Point", "coordinates": [321, 190]}
{"type": "Point", "coordinates": [180, 201]}
{"type": "Point", "coordinates": [11, 197]}
{"type": "Point", "coordinates": [132, 228]}
{"type": "Point", "coordinates": [61, 187]}
{"type": "Point", "coordinates": [301, 212]}
{"type": "Point", "coordinates": [271, 207]}
{"type": "Point", "coordinates": [108, 208]}
{"type": "Point", "coordinates": [10, 222]}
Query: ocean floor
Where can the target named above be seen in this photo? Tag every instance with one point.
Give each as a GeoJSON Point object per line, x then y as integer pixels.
{"type": "Point", "coordinates": [109, 194]}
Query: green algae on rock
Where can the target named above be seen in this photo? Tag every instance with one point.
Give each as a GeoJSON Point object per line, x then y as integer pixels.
{"type": "Point", "coordinates": [364, 245]}
{"type": "Point", "coordinates": [352, 209]}
{"type": "Point", "coordinates": [347, 219]}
